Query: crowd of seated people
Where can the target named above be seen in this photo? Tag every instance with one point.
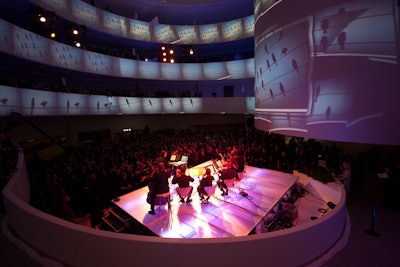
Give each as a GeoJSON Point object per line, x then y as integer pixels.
{"type": "Point", "coordinates": [86, 178]}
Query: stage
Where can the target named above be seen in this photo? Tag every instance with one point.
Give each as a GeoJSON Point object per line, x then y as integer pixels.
{"type": "Point", "coordinates": [225, 216]}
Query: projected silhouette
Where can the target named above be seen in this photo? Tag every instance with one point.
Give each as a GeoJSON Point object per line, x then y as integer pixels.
{"type": "Point", "coordinates": [32, 105]}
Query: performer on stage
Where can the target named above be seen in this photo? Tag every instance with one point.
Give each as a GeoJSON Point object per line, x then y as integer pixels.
{"type": "Point", "coordinates": [206, 180]}
{"type": "Point", "coordinates": [238, 163]}
{"type": "Point", "coordinates": [158, 185]}
{"type": "Point", "coordinates": [183, 181]}
{"type": "Point", "coordinates": [225, 174]}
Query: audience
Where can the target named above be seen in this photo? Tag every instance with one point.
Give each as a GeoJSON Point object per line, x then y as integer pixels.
{"type": "Point", "coordinates": [86, 178]}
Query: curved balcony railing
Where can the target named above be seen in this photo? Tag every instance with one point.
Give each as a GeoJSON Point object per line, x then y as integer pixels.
{"type": "Point", "coordinates": [85, 14]}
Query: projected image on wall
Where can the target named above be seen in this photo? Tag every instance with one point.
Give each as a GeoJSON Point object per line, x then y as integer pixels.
{"type": "Point", "coordinates": [283, 66]}
{"type": "Point", "coordinates": [331, 75]}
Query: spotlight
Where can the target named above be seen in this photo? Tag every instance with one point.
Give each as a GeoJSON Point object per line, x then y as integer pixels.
{"type": "Point", "coordinates": [191, 51]}
{"type": "Point", "coordinates": [172, 60]}
{"type": "Point", "coordinates": [75, 31]}
{"type": "Point", "coordinates": [53, 35]}
{"type": "Point", "coordinates": [42, 18]}
{"type": "Point", "coordinates": [163, 48]}
{"type": "Point", "coordinates": [164, 59]}
{"type": "Point", "coordinates": [171, 51]}
{"type": "Point", "coordinates": [77, 44]}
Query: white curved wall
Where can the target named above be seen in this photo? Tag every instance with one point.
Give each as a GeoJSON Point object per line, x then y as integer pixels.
{"type": "Point", "coordinates": [85, 14]}
{"type": "Point", "coordinates": [77, 245]}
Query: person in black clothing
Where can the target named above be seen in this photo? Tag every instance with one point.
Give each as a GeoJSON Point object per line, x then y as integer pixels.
{"type": "Point", "coordinates": [183, 181]}
{"type": "Point", "coordinates": [206, 180]}
{"type": "Point", "coordinates": [158, 185]}
{"type": "Point", "coordinates": [238, 163]}
{"type": "Point", "coordinates": [226, 174]}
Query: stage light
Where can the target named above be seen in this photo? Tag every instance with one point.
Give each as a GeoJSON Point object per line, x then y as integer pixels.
{"type": "Point", "coordinates": [163, 48]}
{"type": "Point", "coordinates": [171, 51]}
{"type": "Point", "coordinates": [164, 59]}
{"type": "Point", "coordinates": [77, 44]}
{"type": "Point", "coordinates": [164, 54]}
{"type": "Point", "coordinates": [191, 51]}
{"type": "Point", "coordinates": [42, 18]}
{"type": "Point", "coordinates": [172, 60]}
{"type": "Point", "coordinates": [53, 35]}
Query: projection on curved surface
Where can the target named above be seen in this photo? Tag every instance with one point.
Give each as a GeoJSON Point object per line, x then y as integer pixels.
{"type": "Point", "coordinates": [84, 13]}
{"type": "Point", "coordinates": [329, 72]}
{"type": "Point", "coordinates": [28, 45]}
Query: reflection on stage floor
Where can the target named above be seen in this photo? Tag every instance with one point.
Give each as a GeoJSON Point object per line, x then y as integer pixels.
{"type": "Point", "coordinates": [225, 216]}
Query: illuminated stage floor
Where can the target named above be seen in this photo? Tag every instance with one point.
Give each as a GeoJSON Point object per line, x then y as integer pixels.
{"type": "Point", "coordinates": [225, 216]}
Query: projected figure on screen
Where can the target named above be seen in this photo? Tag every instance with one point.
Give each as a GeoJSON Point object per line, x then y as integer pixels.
{"type": "Point", "coordinates": [324, 43]}
{"type": "Point", "coordinates": [172, 104]}
{"type": "Point", "coordinates": [274, 59]}
{"type": "Point", "coordinates": [98, 107]}
{"type": "Point", "coordinates": [280, 35]}
{"type": "Point", "coordinates": [342, 40]}
{"type": "Point", "coordinates": [328, 112]}
{"type": "Point", "coordinates": [4, 101]}
{"type": "Point", "coordinates": [127, 102]}
{"type": "Point", "coordinates": [282, 88]}
{"type": "Point", "coordinates": [43, 104]}
{"type": "Point", "coordinates": [76, 104]}
{"type": "Point", "coordinates": [191, 102]}
{"type": "Point", "coordinates": [262, 85]}
{"type": "Point", "coordinates": [32, 105]}
{"type": "Point", "coordinates": [151, 104]}
{"type": "Point", "coordinates": [325, 25]}
{"type": "Point", "coordinates": [295, 65]}
{"type": "Point", "coordinates": [268, 65]}
{"type": "Point", "coordinates": [68, 106]}
{"type": "Point", "coordinates": [288, 119]}
{"type": "Point", "coordinates": [284, 51]}
{"type": "Point", "coordinates": [266, 49]}
{"type": "Point", "coordinates": [317, 90]}
{"type": "Point", "coordinates": [271, 94]}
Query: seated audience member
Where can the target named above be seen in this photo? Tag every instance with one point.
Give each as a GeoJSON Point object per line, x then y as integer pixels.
{"type": "Point", "coordinates": [206, 180]}
{"type": "Point", "coordinates": [183, 181]}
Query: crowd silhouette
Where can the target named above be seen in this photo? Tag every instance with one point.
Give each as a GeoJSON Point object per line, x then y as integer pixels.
{"type": "Point", "coordinates": [85, 179]}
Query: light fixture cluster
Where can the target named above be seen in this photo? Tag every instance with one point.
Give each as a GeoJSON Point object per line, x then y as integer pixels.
{"type": "Point", "coordinates": [77, 34]}
{"type": "Point", "coordinates": [167, 54]}
{"type": "Point", "coordinates": [47, 23]}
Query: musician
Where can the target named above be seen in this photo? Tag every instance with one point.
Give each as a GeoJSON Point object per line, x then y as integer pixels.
{"type": "Point", "coordinates": [159, 184]}
{"type": "Point", "coordinates": [225, 174]}
{"type": "Point", "coordinates": [206, 180]}
{"type": "Point", "coordinates": [183, 181]}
